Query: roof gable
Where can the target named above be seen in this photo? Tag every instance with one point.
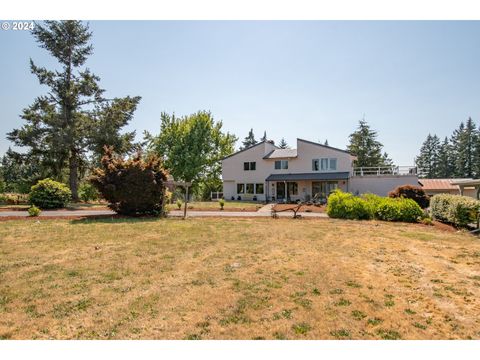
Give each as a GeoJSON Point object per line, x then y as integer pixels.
{"type": "Point", "coordinates": [243, 150]}
{"type": "Point", "coordinates": [325, 146]}
{"type": "Point", "coordinates": [281, 154]}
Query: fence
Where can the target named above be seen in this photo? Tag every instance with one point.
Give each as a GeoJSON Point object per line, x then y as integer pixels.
{"type": "Point", "coordinates": [384, 170]}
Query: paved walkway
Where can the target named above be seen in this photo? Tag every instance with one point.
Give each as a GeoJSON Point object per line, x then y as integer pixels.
{"type": "Point", "coordinates": [174, 213]}
{"type": "Point", "coordinates": [267, 208]}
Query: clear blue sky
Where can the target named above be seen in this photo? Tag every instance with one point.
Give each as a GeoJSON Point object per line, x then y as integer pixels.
{"type": "Point", "coordinates": [312, 80]}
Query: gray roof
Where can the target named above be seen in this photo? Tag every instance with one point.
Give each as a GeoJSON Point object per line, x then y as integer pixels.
{"type": "Point", "coordinates": [281, 153]}
{"type": "Point", "coordinates": [325, 146]}
{"type": "Point", "coordinates": [309, 176]}
{"type": "Point", "coordinates": [239, 151]}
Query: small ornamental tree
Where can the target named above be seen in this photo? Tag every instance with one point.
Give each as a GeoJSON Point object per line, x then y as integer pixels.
{"type": "Point", "coordinates": [133, 187]}
{"type": "Point", "coordinates": [50, 194]}
{"type": "Point", "coordinates": [415, 193]}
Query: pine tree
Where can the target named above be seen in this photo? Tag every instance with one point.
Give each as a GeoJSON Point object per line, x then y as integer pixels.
{"type": "Point", "coordinates": [365, 146]}
{"type": "Point", "coordinates": [428, 160]}
{"type": "Point", "coordinates": [465, 140]}
{"type": "Point", "coordinates": [62, 125]}
{"type": "Point", "coordinates": [249, 140]}
{"type": "Point", "coordinates": [264, 137]}
{"type": "Point", "coordinates": [455, 145]}
{"type": "Point", "coordinates": [326, 142]}
{"type": "Point", "coordinates": [445, 167]}
{"type": "Point", "coordinates": [283, 144]}
{"type": "Point", "coordinates": [476, 156]}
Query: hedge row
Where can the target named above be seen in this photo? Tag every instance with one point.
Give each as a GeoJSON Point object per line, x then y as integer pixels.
{"type": "Point", "coordinates": [454, 209]}
{"type": "Point", "coordinates": [347, 206]}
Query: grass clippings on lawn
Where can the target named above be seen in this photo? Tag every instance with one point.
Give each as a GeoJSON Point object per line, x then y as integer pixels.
{"type": "Point", "coordinates": [236, 279]}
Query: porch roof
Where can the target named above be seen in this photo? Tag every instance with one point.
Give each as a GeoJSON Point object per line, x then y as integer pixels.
{"type": "Point", "coordinates": [309, 176]}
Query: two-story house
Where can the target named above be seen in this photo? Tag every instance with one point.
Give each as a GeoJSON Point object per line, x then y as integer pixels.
{"type": "Point", "coordinates": [265, 172]}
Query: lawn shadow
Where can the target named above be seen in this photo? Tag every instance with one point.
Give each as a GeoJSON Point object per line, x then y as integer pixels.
{"type": "Point", "coordinates": [114, 219]}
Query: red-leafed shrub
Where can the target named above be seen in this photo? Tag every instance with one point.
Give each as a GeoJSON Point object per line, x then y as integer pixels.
{"type": "Point", "coordinates": [415, 193]}
{"type": "Point", "coordinates": [132, 187]}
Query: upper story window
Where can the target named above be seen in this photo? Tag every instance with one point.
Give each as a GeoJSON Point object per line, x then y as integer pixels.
{"type": "Point", "coordinates": [281, 164]}
{"type": "Point", "coordinates": [249, 165]}
{"type": "Point", "coordinates": [324, 164]}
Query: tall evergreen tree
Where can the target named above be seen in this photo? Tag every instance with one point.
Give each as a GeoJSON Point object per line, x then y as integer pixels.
{"type": "Point", "coordinates": [365, 146]}
{"type": "Point", "coordinates": [283, 144]}
{"type": "Point", "coordinates": [59, 124]}
{"type": "Point", "coordinates": [445, 168]}
{"type": "Point", "coordinates": [264, 137]}
{"type": "Point", "coordinates": [20, 171]}
{"type": "Point", "coordinates": [428, 160]}
{"type": "Point", "coordinates": [326, 142]}
{"type": "Point", "coordinates": [476, 155]}
{"type": "Point", "coordinates": [455, 145]}
{"type": "Point", "coordinates": [466, 140]}
{"type": "Point", "coordinates": [249, 140]}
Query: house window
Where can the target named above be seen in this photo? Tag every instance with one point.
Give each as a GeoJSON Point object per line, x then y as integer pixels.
{"type": "Point", "coordinates": [292, 188]}
{"type": "Point", "coordinates": [325, 164]}
{"type": "Point", "coordinates": [240, 188]}
{"type": "Point", "coordinates": [250, 189]}
{"type": "Point", "coordinates": [249, 165]}
{"type": "Point", "coordinates": [281, 164]}
{"type": "Point", "coordinates": [333, 164]}
{"type": "Point", "coordinates": [258, 188]}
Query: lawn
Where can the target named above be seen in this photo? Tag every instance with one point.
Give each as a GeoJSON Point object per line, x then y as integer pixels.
{"type": "Point", "coordinates": [237, 279]}
{"type": "Point", "coordinates": [214, 206]}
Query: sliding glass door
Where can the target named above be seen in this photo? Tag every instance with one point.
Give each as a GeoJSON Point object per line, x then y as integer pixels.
{"type": "Point", "coordinates": [323, 188]}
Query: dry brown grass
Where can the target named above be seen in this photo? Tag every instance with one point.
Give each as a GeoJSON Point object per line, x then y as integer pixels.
{"type": "Point", "coordinates": [237, 279]}
{"type": "Point", "coordinates": [215, 206]}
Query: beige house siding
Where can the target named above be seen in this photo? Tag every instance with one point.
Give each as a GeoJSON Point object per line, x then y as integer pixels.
{"type": "Point", "coordinates": [233, 172]}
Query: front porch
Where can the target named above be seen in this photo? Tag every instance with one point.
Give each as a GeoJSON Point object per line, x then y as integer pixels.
{"type": "Point", "coordinates": [303, 187]}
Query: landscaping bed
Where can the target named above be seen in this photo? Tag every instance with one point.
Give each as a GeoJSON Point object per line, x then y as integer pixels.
{"type": "Point", "coordinates": [303, 208]}
{"type": "Point", "coordinates": [237, 206]}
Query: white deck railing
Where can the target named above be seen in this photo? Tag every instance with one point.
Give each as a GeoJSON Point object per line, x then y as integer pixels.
{"type": "Point", "coordinates": [384, 170]}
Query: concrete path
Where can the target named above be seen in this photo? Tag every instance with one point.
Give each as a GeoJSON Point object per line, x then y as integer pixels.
{"type": "Point", "coordinates": [174, 213]}
{"type": "Point", "coordinates": [267, 208]}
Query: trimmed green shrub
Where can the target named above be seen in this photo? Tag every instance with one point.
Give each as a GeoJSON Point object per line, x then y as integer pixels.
{"type": "Point", "coordinates": [347, 206]}
{"type": "Point", "coordinates": [50, 194]}
{"type": "Point", "coordinates": [33, 211]}
{"type": "Point", "coordinates": [132, 187]}
{"type": "Point", "coordinates": [415, 193]}
{"type": "Point", "coordinates": [454, 209]}
{"type": "Point", "coordinates": [87, 192]}
{"type": "Point", "coordinates": [369, 206]}
{"type": "Point", "coordinates": [397, 209]}
{"type": "Point", "coordinates": [221, 202]}
{"type": "Point", "coordinates": [179, 204]}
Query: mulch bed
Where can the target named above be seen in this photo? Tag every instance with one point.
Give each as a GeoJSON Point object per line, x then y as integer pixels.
{"type": "Point", "coordinates": [225, 210]}
{"type": "Point", "coordinates": [304, 208]}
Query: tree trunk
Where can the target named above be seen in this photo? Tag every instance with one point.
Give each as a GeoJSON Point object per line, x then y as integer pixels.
{"type": "Point", "coordinates": [73, 175]}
